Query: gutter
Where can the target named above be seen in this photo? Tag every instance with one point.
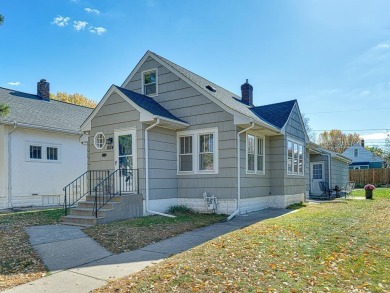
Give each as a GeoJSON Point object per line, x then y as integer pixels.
{"type": "Point", "coordinates": [44, 128]}
{"type": "Point", "coordinates": [147, 171]}
{"type": "Point", "coordinates": [238, 172]}
{"type": "Point", "coordinates": [9, 197]}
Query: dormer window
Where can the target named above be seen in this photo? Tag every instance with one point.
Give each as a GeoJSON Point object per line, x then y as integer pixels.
{"type": "Point", "coordinates": [149, 82]}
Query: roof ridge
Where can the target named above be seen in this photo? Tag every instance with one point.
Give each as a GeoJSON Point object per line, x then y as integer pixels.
{"type": "Point", "coordinates": [212, 83]}
{"type": "Point", "coordinates": [272, 104]}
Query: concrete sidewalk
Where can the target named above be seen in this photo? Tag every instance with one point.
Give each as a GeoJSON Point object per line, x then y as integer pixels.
{"type": "Point", "coordinates": [79, 264]}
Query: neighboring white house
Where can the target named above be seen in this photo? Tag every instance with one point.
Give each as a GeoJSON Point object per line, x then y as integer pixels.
{"type": "Point", "coordinates": [40, 150]}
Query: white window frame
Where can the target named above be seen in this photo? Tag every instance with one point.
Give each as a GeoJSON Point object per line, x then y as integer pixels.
{"type": "Point", "coordinates": [143, 81]}
{"type": "Point", "coordinates": [195, 134]}
{"type": "Point", "coordinates": [297, 144]}
{"type": "Point", "coordinates": [95, 140]}
{"type": "Point", "coordinates": [256, 151]}
{"type": "Point", "coordinates": [44, 147]}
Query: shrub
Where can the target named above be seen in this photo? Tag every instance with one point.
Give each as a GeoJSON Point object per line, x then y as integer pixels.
{"type": "Point", "coordinates": [180, 209]}
{"type": "Point", "coordinates": [296, 206]}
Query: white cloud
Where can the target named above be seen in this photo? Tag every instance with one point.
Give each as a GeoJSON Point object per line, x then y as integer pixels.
{"type": "Point", "coordinates": [91, 10]}
{"type": "Point", "coordinates": [79, 25]}
{"type": "Point", "coordinates": [61, 20]}
{"type": "Point", "coordinates": [97, 30]}
{"type": "Point", "coordinates": [365, 93]}
{"type": "Point", "coordinates": [383, 46]}
{"type": "Point", "coordinates": [374, 136]}
{"type": "Point", "coordinates": [14, 83]}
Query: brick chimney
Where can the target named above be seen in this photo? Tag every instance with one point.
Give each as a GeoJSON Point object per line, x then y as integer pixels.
{"type": "Point", "coordinates": [247, 94]}
{"type": "Point", "coordinates": [362, 142]}
{"type": "Point", "coordinates": [43, 89]}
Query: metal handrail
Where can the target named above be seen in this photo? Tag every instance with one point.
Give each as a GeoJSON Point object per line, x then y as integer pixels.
{"type": "Point", "coordinates": [116, 183]}
{"type": "Point", "coordinates": [82, 186]}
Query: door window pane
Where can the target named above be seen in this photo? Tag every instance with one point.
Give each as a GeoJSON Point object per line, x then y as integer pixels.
{"type": "Point", "coordinates": [125, 145]}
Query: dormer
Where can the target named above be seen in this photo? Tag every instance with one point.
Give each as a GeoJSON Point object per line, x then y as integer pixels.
{"type": "Point", "coordinates": [149, 79]}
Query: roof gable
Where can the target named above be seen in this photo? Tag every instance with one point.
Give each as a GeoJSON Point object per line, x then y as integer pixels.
{"type": "Point", "coordinates": [148, 108]}
{"type": "Point", "coordinates": [364, 155]}
{"type": "Point", "coordinates": [148, 104]}
{"type": "Point", "coordinates": [32, 111]}
{"type": "Point", "coordinates": [275, 114]}
{"type": "Point", "coordinates": [227, 100]}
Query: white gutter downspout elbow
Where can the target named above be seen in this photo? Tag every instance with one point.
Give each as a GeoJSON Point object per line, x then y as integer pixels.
{"type": "Point", "coordinates": [239, 172]}
{"type": "Point", "coordinates": [147, 171]}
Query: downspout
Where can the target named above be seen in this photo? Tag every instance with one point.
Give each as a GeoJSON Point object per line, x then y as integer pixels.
{"type": "Point", "coordinates": [329, 168]}
{"type": "Point", "coordinates": [9, 198]}
{"type": "Point", "coordinates": [239, 172]}
{"type": "Point", "coordinates": [147, 171]}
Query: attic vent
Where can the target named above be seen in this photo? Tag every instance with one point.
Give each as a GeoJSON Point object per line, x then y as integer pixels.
{"type": "Point", "coordinates": [210, 88]}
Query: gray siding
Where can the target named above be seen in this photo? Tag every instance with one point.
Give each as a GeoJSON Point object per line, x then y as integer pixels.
{"type": "Point", "coordinates": [294, 129]}
{"type": "Point", "coordinates": [162, 164]}
{"type": "Point", "coordinates": [115, 114]}
{"type": "Point", "coordinates": [189, 105]}
{"type": "Point", "coordinates": [340, 173]}
{"type": "Point", "coordinates": [294, 126]}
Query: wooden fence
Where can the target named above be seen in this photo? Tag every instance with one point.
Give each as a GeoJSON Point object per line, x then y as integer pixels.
{"type": "Point", "coordinates": [372, 176]}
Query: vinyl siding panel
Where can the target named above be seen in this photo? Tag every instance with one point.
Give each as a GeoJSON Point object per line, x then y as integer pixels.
{"type": "Point", "coordinates": [186, 103]}
{"type": "Point", "coordinates": [115, 114]}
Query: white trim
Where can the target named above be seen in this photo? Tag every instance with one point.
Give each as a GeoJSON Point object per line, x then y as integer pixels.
{"type": "Point", "coordinates": [44, 147]}
{"type": "Point", "coordinates": [103, 139]}
{"type": "Point", "coordinates": [322, 163]}
{"type": "Point", "coordinates": [299, 143]}
{"type": "Point", "coordinates": [119, 132]}
{"type": "Point", "coordinates": [195, 134]}
{"type": "Point", "coordinates": [143, 82]}
{"type": "Point", "coordinates": [255, 171]}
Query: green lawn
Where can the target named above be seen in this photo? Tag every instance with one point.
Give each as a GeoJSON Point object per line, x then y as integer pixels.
{"type": "Point", "coordinates": [338, 246]}
{"type": "Point", "coordinates": [135, 233]}
{"type": "Point", "coordinates": [19, 263]}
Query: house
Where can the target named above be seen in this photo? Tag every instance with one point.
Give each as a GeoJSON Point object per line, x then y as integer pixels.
{"type": "Point", "coordinates": [40, 151]}
{"type": "Point", "coordinates": [326, 166]}
{"type": "Point", "coordinates": [363, 158]}
{"type": "Point", "coordinates": [178, 138]}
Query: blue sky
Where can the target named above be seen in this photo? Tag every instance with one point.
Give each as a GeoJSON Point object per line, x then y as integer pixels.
{"type": "Point", "coordinates": [332, 56]}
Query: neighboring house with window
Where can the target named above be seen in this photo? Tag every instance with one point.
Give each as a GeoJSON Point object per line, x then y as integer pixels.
{"type": "Point", "coordinates": [363, 158]}
{"type": "Point", "coordinates": [40, 151]}
{"type": "Point", "coordinates": [189, 137]}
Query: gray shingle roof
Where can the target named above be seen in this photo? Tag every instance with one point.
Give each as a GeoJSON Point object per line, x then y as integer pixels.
{"type": "Point", "coordinates": [275, 114]}
{"type": "Point", "coordinates": [228, 98]}
{"type": "Point", "coordinates": [148, 104]}
{"type": "Point", "coordinates": [31, 110]}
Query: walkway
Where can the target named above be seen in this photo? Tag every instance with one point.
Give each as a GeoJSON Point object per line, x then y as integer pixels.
{"type": "Point", "coordinates": [78, 263]}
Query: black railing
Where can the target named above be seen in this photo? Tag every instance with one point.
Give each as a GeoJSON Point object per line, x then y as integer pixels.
{"type": "Point", "coordinates": [119, 182]}
{"type": "Point", "coordinates": [82, 186]}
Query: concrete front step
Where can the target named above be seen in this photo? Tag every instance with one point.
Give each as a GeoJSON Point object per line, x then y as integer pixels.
{"type": "Point", "coordinates": [91, 204]}
{"type": "Point", "coordinates": [79, 220]}
{"type": "Point", "coordinates": [87, 212]}
{"type": "Point", "coordinates": [100, 198]}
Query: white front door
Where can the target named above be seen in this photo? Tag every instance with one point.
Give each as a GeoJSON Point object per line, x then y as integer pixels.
{"type": "Point", "coordinates": [125, 160]}
{"type": "Point", "coordinates": [316, 175]}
